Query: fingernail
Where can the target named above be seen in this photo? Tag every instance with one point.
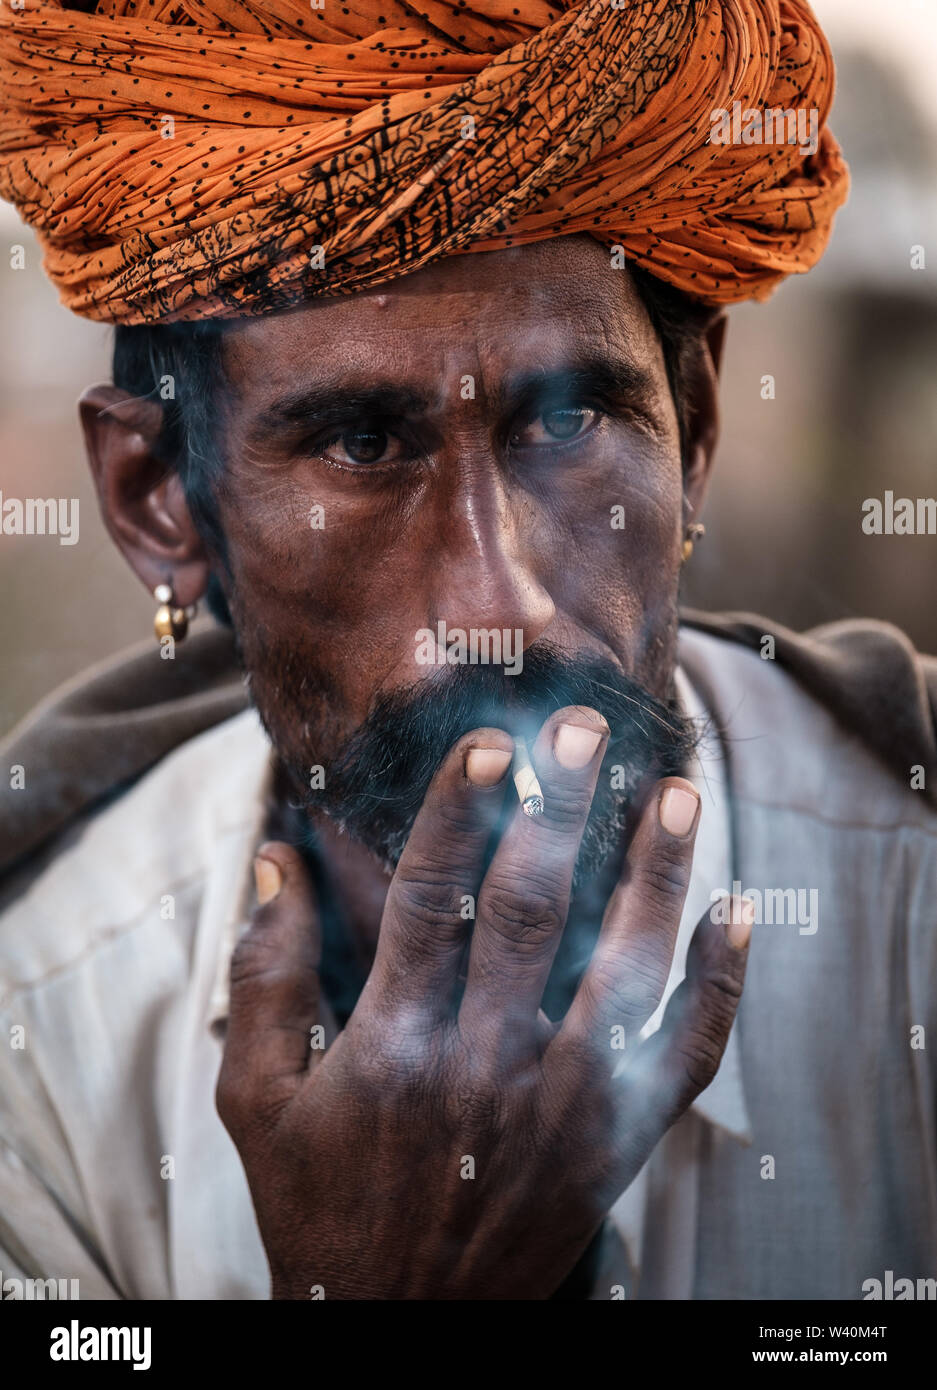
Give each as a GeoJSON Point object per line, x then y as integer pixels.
{"type": "Point", "coordinates": [677, 811]}
{"type": "Point", "coordinates": [269, 880]}
{"type": "Point", "coordinates": [740, 923]}
{"type": "Point", "coordinates": [574, 747]}
{"type": "Point", "coordinates": [486, 766]}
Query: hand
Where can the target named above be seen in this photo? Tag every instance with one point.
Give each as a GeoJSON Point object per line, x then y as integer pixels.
{"type": "Point", "coordinates": [456, 1144]}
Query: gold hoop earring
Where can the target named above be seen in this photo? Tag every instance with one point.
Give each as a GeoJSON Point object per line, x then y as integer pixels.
{"type": "Point", "coordinates": [693, 534]}
{"type": "Point", "coordinates": [171, 621]}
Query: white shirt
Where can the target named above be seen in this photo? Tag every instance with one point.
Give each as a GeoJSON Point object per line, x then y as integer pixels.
{"type": "Point", "coordinates": [114, 1166]}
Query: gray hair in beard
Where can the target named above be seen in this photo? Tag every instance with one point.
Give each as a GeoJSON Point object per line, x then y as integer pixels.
{"type": "Point", "coordinates": [376, 784]}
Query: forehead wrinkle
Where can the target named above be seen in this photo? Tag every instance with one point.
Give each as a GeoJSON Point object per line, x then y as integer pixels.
{"type": "Point", "coordinates": [560, 281]}
{"type": "Point", "coordinates": [511, 350]}
{"type": "Point", "coordinates": [613, 354]}
{"type": "Point", "coordinates": [486, 343]}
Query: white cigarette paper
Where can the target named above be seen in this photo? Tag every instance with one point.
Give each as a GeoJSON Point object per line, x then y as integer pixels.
{"type": "Point", "coordinates": [525, 781]}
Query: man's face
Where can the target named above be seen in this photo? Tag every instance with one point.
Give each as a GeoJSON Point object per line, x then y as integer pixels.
{"type": "Point", "coordinates": [489, 444]}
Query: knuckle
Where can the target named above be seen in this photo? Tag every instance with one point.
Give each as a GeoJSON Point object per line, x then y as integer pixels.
{"type": "Point", "coordinates": [700, 1057]}
{"type": "Point", "coordinates": [580, 1055]}
{"type": "Point", "coordinates": [522, 912]}
{"type": "Point", "coordinates": [725, 990]}
{"type": "Point", "coordinates": [566, 808]}
{"type": "Point", "coordinates": [665, 877]}
{"type": "Point", "coordinates": [407, 1052]}
{"type": "Point", "coordinates": [633, 988]}
{"type": "Point", "coordinates": [427, 893]}
{"type": "Point", "coordinates": [477, 1109]}
{"type": "Point", "coordinates": [252, 958]}
{"type": "Point", "coordinates": [395, 1055]}
{"type": "Point", "coordinates": [475, 1098]}
{"type": "Point", "coordinates": [453, 820]}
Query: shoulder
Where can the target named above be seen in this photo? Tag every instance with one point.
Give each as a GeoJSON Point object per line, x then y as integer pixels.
{"type": "Point", "coordinates": [114, 870]}
{"type": "Point", "coordinates": [836, 722]}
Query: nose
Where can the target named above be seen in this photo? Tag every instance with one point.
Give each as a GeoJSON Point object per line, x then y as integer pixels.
{"type": "Point", "coordinates": [490, 559]}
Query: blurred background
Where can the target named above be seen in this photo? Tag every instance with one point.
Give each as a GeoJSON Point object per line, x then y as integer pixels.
{"type": "Point", "coordinates": [852, 348]}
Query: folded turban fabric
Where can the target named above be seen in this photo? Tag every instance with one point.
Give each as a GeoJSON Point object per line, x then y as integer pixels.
{"type": "Point", "coordinates": [184, 159]}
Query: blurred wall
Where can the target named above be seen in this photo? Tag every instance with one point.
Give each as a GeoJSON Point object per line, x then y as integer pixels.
{"type": "Point", "coordinates": [852, 349]}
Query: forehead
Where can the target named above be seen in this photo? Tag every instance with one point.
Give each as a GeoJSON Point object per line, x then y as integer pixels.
{"type": "Point", "coordinates": [528, 307]}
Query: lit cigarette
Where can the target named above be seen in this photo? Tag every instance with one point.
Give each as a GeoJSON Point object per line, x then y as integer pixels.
{"type": "Point", "coordinates": [525, 780]}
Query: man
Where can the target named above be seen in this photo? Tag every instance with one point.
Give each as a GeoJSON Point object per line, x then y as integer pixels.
{"type": "Point", "coordinates": [418, 333]}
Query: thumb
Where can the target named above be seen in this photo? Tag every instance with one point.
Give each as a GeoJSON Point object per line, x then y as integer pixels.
{"type": "Point", "coordinates": [274, 998]}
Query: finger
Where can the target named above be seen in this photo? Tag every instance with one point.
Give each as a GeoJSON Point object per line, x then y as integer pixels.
{"type": "Point", "coordinates": [430, 907]}
{"type": "Point", "coordinates": [671, 1068]}
{"type": "Point", "coordinates": [625, 978]}
{"type": "Point", "coordinates": [274, 991]}
{"type": "Point", "coordinates": [524, 898]}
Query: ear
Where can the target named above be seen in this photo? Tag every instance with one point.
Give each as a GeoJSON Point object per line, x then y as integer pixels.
{"type": "Point", "coordinates": [141, 499]}
{"type": "Point", "coordinates": [703, 432]}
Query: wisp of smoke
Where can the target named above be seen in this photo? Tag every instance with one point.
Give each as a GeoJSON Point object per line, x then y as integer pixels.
{"type": "Point", "coordinates": [376, 784]}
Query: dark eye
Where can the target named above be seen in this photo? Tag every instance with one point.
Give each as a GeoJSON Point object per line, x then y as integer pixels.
{"type": "Point", "coordinates": [361, 447]}
{"type": "Point", "coordinates": [365, 446]}
{"type": "Point", "coordinates": [556, 426]}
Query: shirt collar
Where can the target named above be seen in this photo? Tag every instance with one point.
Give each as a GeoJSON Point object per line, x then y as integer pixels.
{"type": "Point", "coordinates": [723, 1101]}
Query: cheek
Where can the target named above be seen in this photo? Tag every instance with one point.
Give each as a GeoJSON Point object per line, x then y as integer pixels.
{"type": "Point", "coordinates": [320, 582]}
{"type": "Point", "coordinates": [623, 524]}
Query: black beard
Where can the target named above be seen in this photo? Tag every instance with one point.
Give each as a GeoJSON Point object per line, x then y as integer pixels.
{"type": "Point", "coordinates": [376, 784]}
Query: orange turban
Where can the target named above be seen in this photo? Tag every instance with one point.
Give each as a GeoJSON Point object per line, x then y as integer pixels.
{"type": "Point", "coordinates": [184, 159]}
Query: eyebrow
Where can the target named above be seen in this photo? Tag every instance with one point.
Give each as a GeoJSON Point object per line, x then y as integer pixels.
{"type": "Point", "coordinates": [329, 401]}
{"type": "Point", "coordinates": [597, 374]}
{"type": "Point", "coordinates": [321, 402]}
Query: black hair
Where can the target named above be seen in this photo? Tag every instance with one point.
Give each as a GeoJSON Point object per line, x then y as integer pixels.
{"type": "Point", "coordinates": [182, 366]}
{"type": "Point", "coordinates": [680, 324]}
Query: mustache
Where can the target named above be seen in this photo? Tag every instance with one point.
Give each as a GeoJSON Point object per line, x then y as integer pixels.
{"type": "Point", "coordinates": [376, 784]}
